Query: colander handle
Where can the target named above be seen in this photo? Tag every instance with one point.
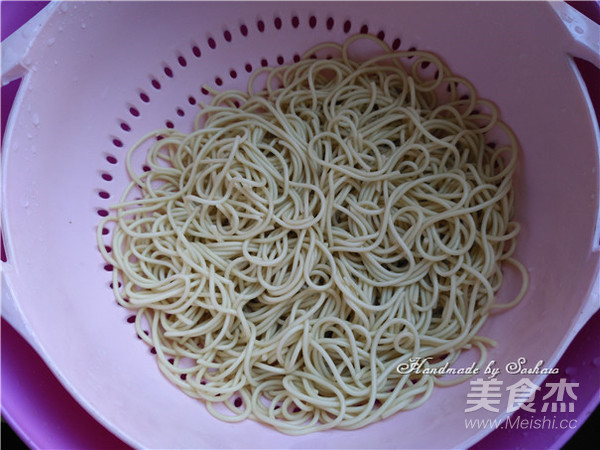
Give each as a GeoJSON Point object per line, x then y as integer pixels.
{"type": "Point", "coordinates": [14, 50]}
{"type": "Point", "coordinates": [585, 33]}
{"type": "Point", "coordinates": [585, 44]}
{"type": "Point", "coordinates": [16, 46]}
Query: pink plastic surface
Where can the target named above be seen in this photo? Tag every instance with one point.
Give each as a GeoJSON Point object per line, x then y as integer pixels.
{"type": "Point", "coordinates": [563, 265]}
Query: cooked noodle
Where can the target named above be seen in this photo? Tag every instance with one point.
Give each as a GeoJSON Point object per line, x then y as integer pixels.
{"type": "Point", "coordinates": [311, 235]}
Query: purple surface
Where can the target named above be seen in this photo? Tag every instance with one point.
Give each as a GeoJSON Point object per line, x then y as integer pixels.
{"type": "Point", "coordinates": [45, 415]}
{"type": "Point", "coordinates": [38, 408]}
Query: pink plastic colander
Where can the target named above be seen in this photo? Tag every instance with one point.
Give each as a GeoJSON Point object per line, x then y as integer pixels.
{"type": "Point", "coordinates": [98, 75]}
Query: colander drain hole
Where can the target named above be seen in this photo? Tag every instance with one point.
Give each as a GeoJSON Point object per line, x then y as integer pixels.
{"type": "Point", "coordinates": [347, 26]}
{"type": "Point", "coordinates": [168, 71]}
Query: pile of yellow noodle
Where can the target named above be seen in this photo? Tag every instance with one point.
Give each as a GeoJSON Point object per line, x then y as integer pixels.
{"type": "Point", "coordinates": [310, 236]}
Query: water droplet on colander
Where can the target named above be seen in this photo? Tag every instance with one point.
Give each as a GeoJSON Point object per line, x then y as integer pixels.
{"type": "Point", "coordinates": [83, 25]}
{"type": "Point", "coordinates": [26, 204]}
{"type": "Point", "coordinates": [578, 30]}
{"type": "Point", "coordinates": [36, 119]}
{"type": "Point", "coordinates": [56, 62]}
{"type": "Point", "coordinates": [567, 18]}
{"type": "Point", "coordinates": [64, 7]}
{"type": "Point", "coordinates": [51, 42]}
{"type": "Point", "coordinates": [596, 361]}
{"type": "Point", "coordinates": [571, 371]}
{"type": "Point", "coordinates": [29, 136]}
